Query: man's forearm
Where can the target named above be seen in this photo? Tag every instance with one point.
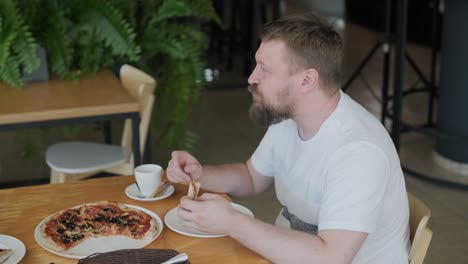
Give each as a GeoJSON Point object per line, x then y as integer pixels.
{"type": "Point", "coordinates": [283, 245]}
{"type": "Point", "coordinates": [280, 245]}
{"type": "Point", "coordinates": [233, 179]}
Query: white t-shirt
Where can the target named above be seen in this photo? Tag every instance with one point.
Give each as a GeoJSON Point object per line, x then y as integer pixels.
{"type": "Point", "coordinates": [348, 176]}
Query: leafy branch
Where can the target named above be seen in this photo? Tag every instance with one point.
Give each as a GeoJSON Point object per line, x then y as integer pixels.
{"type": "Point", "coordinates": [166, 38]}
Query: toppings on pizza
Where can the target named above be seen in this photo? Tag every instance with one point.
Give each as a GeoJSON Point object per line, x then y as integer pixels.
{"type": "Point", "coordinates": [71, 226]}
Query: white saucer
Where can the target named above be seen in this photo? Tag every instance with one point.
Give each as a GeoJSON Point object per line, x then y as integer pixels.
{"type": "Point", "coordinates": [19, 250]}
{"type": "Point", "coordinates": [172, 221]}
{"type": "Point", "coordinates": [132, 192]}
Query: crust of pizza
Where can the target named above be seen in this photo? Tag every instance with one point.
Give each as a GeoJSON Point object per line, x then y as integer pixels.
{"type": "Point", "coordinates": [102, 203]}
{"type": "Point", "coordinates": [152, 231]}
{"type": "Point", "coordinates": [50, 244]}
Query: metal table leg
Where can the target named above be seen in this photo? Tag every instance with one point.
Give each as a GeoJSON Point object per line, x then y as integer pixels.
{"type": "Point", "coordinates": [400, 46]}
{"type": "Point", "coordinates": [136, 139]}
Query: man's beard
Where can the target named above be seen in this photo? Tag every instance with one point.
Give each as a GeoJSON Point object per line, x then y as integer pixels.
{"type": "Point", "coordinates": [264, 114]}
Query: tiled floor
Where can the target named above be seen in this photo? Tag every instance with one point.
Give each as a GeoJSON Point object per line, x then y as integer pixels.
{"type": "Point", "coordinates": [227, 135]}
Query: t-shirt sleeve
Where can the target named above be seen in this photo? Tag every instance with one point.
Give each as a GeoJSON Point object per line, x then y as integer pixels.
{"type": "Point", "coordinates": [262, 158]}
{"type": "Point", "coordinates": [354, 188]}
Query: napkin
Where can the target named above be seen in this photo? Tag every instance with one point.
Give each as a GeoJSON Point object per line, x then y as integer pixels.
{"type": "Point", "coordinates": [131, 256]}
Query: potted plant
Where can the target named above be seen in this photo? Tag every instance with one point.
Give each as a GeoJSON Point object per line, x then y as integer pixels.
{"type": "Point", "coordinates": [163, 37]}
{"type": "Point", "coordinates": [173, 43]}
{"type": "Point", "coordinates": [17, 45]}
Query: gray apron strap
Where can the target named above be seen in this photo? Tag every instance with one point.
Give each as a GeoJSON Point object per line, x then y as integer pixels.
{"type": "Point", "coordinates": [298, 224]}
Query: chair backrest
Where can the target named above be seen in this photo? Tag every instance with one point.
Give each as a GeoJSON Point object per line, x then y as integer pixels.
{"type": "Point", "coordinates": [141, 86]}
{"type": "Point", "coordinates": [420, 234]}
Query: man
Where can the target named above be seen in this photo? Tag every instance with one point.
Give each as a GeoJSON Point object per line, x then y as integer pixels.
{"type": "Point", "coordinates": [335, 168]}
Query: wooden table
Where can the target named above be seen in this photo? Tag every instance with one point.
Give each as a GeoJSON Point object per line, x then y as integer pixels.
{"type": "Point", "coordinates": [21, 209]}
{"type": "Point", "coordinates": [93, 97]}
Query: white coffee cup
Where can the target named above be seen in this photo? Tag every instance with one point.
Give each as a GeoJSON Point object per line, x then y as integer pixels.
{"type": "Point", "coordinates": [148, 178]}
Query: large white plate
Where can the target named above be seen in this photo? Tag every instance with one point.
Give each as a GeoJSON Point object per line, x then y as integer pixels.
{"type": "Point", "coordinates": [132, 192]}
{"type": "Point", "coordinates": [16, 245]}
{"type": "Point", "coordinates": [172, 221]}
{"type": "Point", "coordinates": [101, 244]}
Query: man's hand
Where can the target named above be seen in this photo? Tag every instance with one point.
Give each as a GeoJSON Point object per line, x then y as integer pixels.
{"type": "Point", "coordinates": [211, 214]}
{"type": "Point", "coordinates": [183, 168]}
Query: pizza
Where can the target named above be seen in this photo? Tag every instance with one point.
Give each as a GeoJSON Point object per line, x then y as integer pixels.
{"type": "Point", "coordinates": [70, 227]}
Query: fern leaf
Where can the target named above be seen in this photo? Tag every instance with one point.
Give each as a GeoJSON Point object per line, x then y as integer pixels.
{"type": "Point", "coordinates": [171, 9]}
{"type": "Point", "coordinates": [24, 44]}
{"type": "Point", "coordinates": [58, 43]}
{"type": "Point", "coordinates": [190, 140]}
{"type": "Point", "coordinates": [176, 40]}
{"type": "Point", "coordinates": [183, 8]}
{"type": "Point", "coordinates": [204, 9]}
{"type": "Point", "coordinates": [71, 131]}
{"type": "Point", "coordinates": [26, 47]}
{"type": "Point", "coordinates": [128, 9]}
{"type": "Point", "coordinates": [10, 72]}
{"type": "Point", "coordinates": [6, 40]}
{"type": "Point", "coordinates": [19, 47]}
{"type": "Point", "coordinates": [176, 100]}
{"type": "Point", "coordinates": [93, 56]}
{"type": "Point", "coordinates": [113, 30]}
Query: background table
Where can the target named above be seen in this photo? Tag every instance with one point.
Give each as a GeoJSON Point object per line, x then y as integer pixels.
{"type": "Point", "coordinates": [21, 209]}
{"type": "Point", "coordinates": [93, 97]}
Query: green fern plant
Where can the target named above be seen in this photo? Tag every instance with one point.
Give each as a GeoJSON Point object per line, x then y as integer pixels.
{"type": "Point", "coordinates": [173, 43]}
{"type": "Point", "coordinates": [80, 36]}
{"type": "Point", "coordinates": [17, 45]}
{"type": "Point", "coordinates": [163, 37]}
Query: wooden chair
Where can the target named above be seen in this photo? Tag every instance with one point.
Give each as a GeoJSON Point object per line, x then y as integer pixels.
{"type": "Point", "coordinates": [71, 161]}
{"type": "Point", "coordinates": [420, 234]}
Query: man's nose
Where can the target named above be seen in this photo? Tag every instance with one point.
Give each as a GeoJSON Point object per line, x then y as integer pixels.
{"type": "Point", "coordinates": [253, 79]}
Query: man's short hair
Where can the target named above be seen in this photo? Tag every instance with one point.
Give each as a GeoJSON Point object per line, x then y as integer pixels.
{"type": "Point", "coordinates": [313, 43]}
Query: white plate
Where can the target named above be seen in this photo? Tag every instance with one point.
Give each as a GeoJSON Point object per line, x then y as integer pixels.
{"type": "Point", "coordinates": [172, 221]}
{"type": "Point", "coordinates": [132, 192]}
{"type": "Point", "coordinates": [101, 244]}
{"type": "Point", "coordinates": [16, 245]}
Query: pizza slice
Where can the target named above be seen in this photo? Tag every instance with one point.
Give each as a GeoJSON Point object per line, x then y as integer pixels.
{"type": "Point", "coordinates": [5, 253]}
{"type": "Point", "coordinates": [64, 229]}
{"type": "Point", "coordinates": [194, 189]}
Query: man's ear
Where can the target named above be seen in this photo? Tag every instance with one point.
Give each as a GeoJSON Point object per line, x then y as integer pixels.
{"type": "Point", "coordinates": [310, 80]}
